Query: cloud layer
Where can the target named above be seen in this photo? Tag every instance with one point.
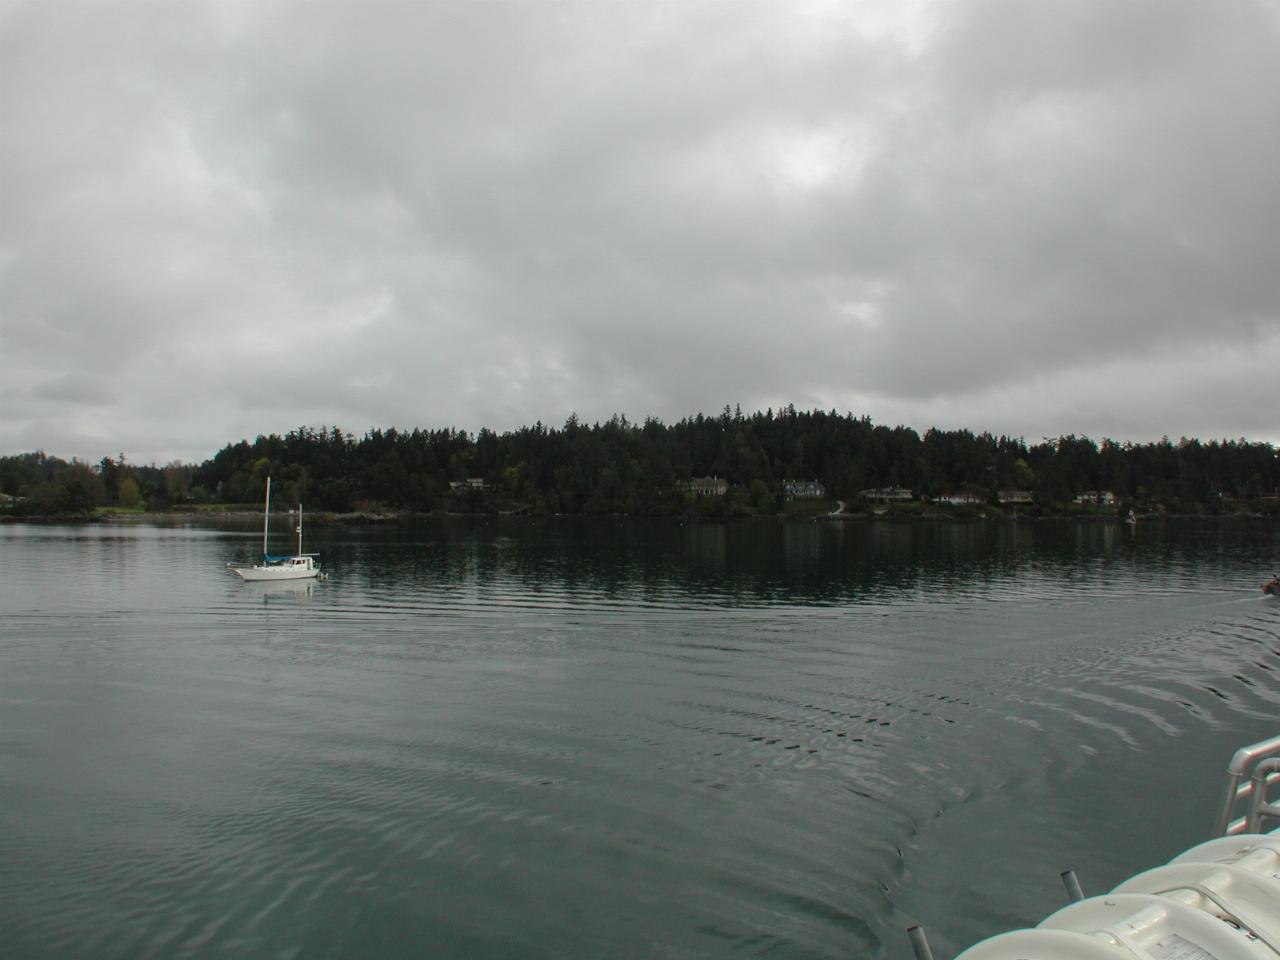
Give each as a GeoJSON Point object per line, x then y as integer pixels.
{"type": "Point", "coordinates": [220, 219]}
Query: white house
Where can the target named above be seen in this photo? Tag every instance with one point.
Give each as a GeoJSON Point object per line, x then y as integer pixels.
{"type": "Point", "coordinates": [888, 494]}
{"type": "Point", "coordinates": [803, 490]}
{"type": "Point", "coordinates": [963, 498]}
{"type": "Point", "coordinates": [1014, 496]}
{"type": "Point", "coordinates": [705, 486]}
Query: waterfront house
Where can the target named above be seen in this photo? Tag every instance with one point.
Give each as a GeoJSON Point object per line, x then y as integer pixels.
{"type": "Point", "coordinates": [1096, 498]}
{"type": "Point", "coordinates": [962, 499]}
{"type": "Point", "coordinates": [803, 490]}
{"type": "Point", "coordinates": [704, 486]}
{"type": "Point", "coordinates": [1014, 496]}
{"type": "Point", "coordinates": [888, 494]}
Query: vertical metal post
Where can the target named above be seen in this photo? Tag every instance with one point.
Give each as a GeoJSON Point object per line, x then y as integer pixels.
{"type": "Point", "coordinates": [1223, 821]}
{"type": "Point", "coordinates": [1072, 884]}
{"type": "Point", "coordinates": [919, 943]}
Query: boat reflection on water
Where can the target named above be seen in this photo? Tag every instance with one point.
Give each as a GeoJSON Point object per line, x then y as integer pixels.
{"type": "Point", "coordinates": [277, 589]}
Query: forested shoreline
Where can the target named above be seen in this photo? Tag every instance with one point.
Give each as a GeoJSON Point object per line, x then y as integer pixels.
{"type": "Point", "coordinates": [622, 467]}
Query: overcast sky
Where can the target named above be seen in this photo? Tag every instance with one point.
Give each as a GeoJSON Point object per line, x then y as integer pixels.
{"type": "Point", "coordinates": [230, 218]}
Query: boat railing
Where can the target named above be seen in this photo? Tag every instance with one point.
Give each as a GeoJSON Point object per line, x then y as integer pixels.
{"type": "Point", "coordinates": [1251, 771]}
{"type": "Point", "coordinates": [1159, 912]}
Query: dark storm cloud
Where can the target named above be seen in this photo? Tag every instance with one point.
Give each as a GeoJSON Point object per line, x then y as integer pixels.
{"type": "Point", "coordinates": [223, 219]}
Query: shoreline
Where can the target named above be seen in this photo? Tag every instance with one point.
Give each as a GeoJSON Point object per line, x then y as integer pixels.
{"type": "Point", "coordinates": [371, 518]}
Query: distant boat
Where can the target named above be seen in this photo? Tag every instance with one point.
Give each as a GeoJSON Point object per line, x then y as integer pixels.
{"type": "Point", "coordinates": [300, 566]}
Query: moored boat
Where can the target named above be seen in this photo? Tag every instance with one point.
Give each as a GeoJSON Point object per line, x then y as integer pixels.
{"type": "Point", "coordinates": [299, 566]}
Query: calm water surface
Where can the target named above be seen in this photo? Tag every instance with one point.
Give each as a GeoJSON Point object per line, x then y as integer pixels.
{"type": "Point", "coordinates": [580, 739]}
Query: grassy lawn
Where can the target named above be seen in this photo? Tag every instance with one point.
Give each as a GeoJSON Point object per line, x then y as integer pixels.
{"type": "Point", "coordinates": [118, 510]}
{"type": "Point", "coordinates": [807, 508]}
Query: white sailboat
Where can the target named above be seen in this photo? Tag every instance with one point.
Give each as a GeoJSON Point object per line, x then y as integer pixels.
{"type": "Point", "coordinates": [300, 566]}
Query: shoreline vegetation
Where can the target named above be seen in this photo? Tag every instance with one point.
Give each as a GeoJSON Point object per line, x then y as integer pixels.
{"type": "Point", "coordinates": [794, 465]}
{"type": "Point", "coordinates": [894, 515]}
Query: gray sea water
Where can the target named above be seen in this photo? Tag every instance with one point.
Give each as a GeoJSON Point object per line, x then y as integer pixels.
{"type": "Point", "coordinates": [611, 738]}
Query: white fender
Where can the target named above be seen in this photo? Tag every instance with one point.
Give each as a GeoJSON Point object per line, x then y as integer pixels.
{"type": "Point", "coordinates": [1143, 925]}
{"type": "Point", "coordinates": [1219, 890]}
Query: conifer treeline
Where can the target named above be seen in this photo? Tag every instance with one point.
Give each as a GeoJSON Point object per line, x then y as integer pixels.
{"type": "Point", "coordinates": [636, 468]}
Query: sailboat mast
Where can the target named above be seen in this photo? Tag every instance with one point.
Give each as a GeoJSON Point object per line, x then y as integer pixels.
{"type": "Point", "coordinates": [266, 520]}
{"type": "Point", "coordinates": [299, 529]}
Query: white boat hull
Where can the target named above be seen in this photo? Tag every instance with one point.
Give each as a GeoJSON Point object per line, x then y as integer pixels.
{"type": "Point", "coordinates": [296, 568]}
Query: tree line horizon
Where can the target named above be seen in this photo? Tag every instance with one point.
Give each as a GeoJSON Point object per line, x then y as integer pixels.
{"type": "Point", "coordinates": [624, 467]}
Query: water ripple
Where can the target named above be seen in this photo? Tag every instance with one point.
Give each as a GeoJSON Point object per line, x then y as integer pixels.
{"type": "Point", "coordinates": [530, 741]}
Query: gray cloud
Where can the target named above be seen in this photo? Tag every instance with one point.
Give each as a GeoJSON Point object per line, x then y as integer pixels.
{"type": "Point", "coordinates": [225, 219]}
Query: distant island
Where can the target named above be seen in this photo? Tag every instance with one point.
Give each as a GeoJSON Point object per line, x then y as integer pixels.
{"type": "Point", "coordinates": [785, 462]}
